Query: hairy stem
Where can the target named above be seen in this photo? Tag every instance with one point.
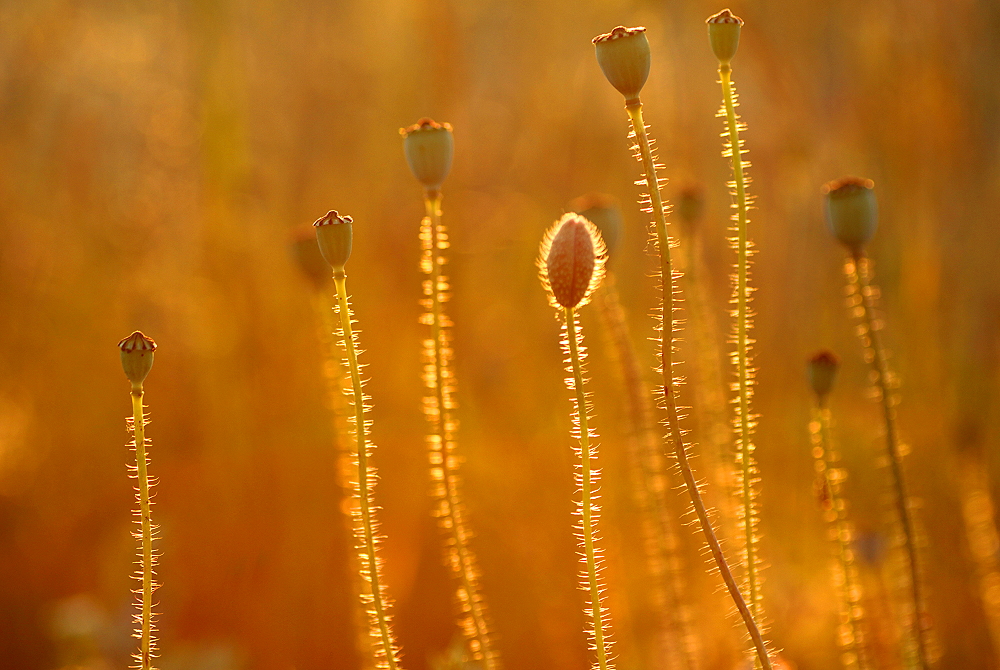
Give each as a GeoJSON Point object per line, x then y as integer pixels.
{"type": "Point", "coordinates": [365, 484]}
{"type": "Point", "coordinates": [586, 506]}
{"type": "Point", "coordinates": [743, 419]}
{"type": "Point", "coordinates": [670, 401]}
{"type": "Point", "coordinates": [461, 558]}
{"type": "Point", "coordinates": [835, 509]}
{"type": "Point", "coordinates": [916, 630]}
{"type": "Point", "coordinates": [146, 644]}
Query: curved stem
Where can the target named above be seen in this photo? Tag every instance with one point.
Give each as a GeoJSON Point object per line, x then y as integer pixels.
{"type": "Point", "coordinates": [442, 444]}
{"type": "Point", "coordinates": [743, 421]}
{"type": "Point", "coordinates": [881, 368]}
{"type": "Point", "coordinates": [145, 522]}
{"type": "Point", "coordinates": [670, 402]}
{"type": "Point", "coordinates": [586, 506]}
{"type": "Point", "coordinates": [365, 486]}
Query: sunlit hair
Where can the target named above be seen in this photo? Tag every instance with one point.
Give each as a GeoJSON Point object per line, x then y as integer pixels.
{"type": "Point", "coordinates": [571, 261]}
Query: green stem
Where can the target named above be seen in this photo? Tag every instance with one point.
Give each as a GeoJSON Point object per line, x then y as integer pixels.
{"type": "Point", "coordinates": [880, 366]}
{"type": "Point", "coordinates": [586, 507]}
{"type": "Point", "coordinates": [139, 431]}
{"type": "Point", "coordinates": [666, 364]}
{"type": "Point", "coordinates": [743, 422]}
{"type": "Point", "coordinates": [365, 486]}
{"type": "Point", "coordinates": [464, 566]}
{"type": "Point", "coordinates": [850, 589]}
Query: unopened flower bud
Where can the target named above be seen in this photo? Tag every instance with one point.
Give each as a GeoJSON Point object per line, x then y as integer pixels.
{"type": "Point", "coordinates": [623, 55]}
{"type": "Point", "coordinates": [823, 372]}
{"type": "Point", "coordinates": [137, 357]}
{"type": "Point", "coordinates": [428, 146]}
{"type": "Point", "coordinates": [334, 234]}
{"type": "Point", "coordinates": [572, 260]}
{"type": "Point", "coordinates": [851, 211]}
{"type": "Point", "coordinates": [724, 34]}
{"type": "Point", "coordinates": [605, 213]}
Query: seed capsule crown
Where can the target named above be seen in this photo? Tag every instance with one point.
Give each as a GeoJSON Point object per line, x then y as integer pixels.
{"type": "Point", "coordinates": [137, 356]}
{"type": "Point", "coordinates": [724, 34]}
{"type": "Point", "coordinates": [335, 235]}
{"type": "Point", "coordinates": [429, 147]}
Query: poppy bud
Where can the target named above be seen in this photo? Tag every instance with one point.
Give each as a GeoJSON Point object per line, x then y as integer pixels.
{"type": "Point", "coordinates": [137, 357]}
{"type": "Point", "coordinates": [428, 146]}
{"type": "Point", "coordinates": [822, 372]}
{"type": "Point", "coordinates": [623, 55]}
{"type": "Point", "coordinates": [335, 234]}
{"type": "Point", "coordinates": [572, 260]}
{"type": "Point", "coordinates": [851, 211]}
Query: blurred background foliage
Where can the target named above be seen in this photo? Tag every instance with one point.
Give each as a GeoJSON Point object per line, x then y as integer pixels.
{"type": "Point", "coordinates": [155, 159]}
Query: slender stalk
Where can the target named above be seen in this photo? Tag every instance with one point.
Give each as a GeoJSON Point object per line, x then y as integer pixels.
{"type": "Point", "coordinates": [379, 606]}
{"type": "Point", "coordinates": [587, 511]}
{"type": "Point", "coordinates": [634, 110]}
{"type": "Point", "coordinates": [916, 630]}
{"type": "Point", "coordinates": [444, 462]}
{"type": "Point", "coordinates": [744, 422]}
{"type": "Point", "coordinates": [147, 645]}
{"type": "Point", "coordinates": [834, 508]}
{"type": "Point", "coordinates": [680, 645]}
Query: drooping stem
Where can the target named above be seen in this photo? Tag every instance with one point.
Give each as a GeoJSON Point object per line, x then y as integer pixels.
{"type": "Point", "coordinates": [834, 508]}
{"type": "Point", "coordinates": [146, 643]}
{"type": "Point", "coordinates": [745, 447]}
{"type": "Point", "coordinates": [666, 364]}
{"type": "Point", "coordinates": [369, 559]}
{"type": "Point", "coordinates": [444, 461]}
{"type": "Point", "coordinates": [601, 643]}
{"type": "Point", "coordinates": [872, 340]}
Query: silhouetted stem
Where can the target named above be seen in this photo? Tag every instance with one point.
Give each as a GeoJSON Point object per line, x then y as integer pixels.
{"type": "Point", "coordinates": [881, 368]}
{"type": "Point", "coordinates": [139, 430]}
{"type": "Point", "coordinates": [666, 349]}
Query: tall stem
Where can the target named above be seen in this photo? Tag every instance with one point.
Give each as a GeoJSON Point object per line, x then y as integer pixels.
{"type": "Point", "coordinates": [586, 484]}
{"type": "Point", "coordinates": [666, 354]}
{"type": "Point", "coordinates": [442, 443]}
{"type": "Point", "coordinates": [916, 630]}
{"type": "Point", "coordinates": [365, 484]}
{"type": "Point", "coordinates": [146, 644]}
{"type": "Point", "coordinates": [743, 419]}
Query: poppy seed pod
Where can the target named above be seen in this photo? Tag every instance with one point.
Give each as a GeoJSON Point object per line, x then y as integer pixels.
{"type": "Point", "coordinates": [823, 372]}
{"type": "Point", "coordinates": [724, 34]}
{"type": "Point", "coordinates": [572, 260]}
{"type": "Point", "coordinates": [605, 213]}
{"type": "Point", "coordinates": [623, 55]}
{"type": "Point", "coordinates": [851, 211]}
{"type": "Point", "coordinates": [335, 234]}
{"type": "Point", "coordinates": [137, 357]}
{"type": "Point", "coordinates": [428, 146]}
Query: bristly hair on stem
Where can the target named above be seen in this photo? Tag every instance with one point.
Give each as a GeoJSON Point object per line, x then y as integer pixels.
{"type": "Point", "coordinates": [571, 266]}
{"type": "Point", "coordinates": [624, 57]}
{"type": "Point", "coordinates": [334, 234]}
{"type": "Point", "coordinates": [428, 149]}
{"type": "Point", "coordinates": [137, 353]}
{"type": "Point", "coordinates": [724, 34]}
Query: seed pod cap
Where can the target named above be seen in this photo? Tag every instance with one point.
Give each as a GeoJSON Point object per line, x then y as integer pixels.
{"type": "Point", "coordinates": [429, 147]}
{"type": "Point", "coordinates": [335, 235]}
{"type": "Point", "coordinates": [137, 357]}
{"type": "Point", "coordinates": [851, 211]}
{"type": "Point", "coordinates": [822, 372]}
{"type": "Point", "coordinates": [623, 55]}
{"type": "Point", "coordinates": [571, 262]}
{"type": "Point", "coordinates": [724, 34]}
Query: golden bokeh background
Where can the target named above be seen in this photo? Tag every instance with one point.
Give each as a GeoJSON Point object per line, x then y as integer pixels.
{"type": "Point", "coordinates": [156, 158]}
